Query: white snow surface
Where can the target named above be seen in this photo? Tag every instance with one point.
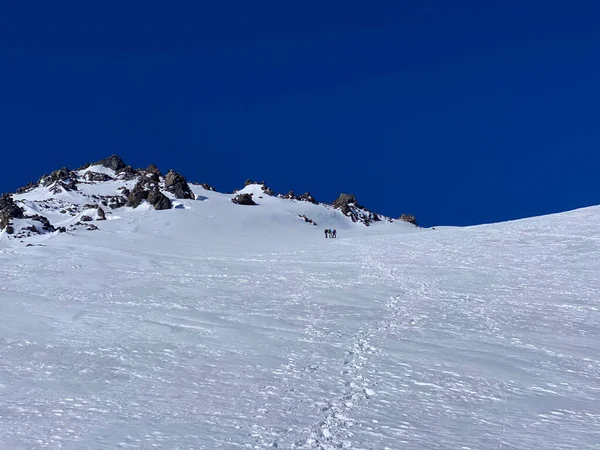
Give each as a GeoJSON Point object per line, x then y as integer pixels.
{"type": "Point", "coordinates": [214, 325]}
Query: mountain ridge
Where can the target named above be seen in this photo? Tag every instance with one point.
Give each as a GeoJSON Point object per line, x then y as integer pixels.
{"type": "Point", "coordinates": [95, 190]}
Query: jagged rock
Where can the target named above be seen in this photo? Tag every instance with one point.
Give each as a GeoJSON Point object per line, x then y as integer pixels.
{"type": "Point", "coordinates": [127, 173]}
{"type": "Point", "coordinates": [112, 162]}
{"type": "Point", "coordinates": [159, 200]}
{"type": "Point", "coordinates": [146, 183]}
{"type": "Point", "coordinates": [29, 187]}
{"type": "Point", "coordinates": [243, 199]}
{"type": "Point", "coordinates": [136, 197]}
{"type": "Point", "coordinates": [177, 185]}
{"type": "Point", "coordinates": [85, 166]}
{"type": "Point", "coordinates": [91, 227]}
{"type": "Point", "coordinates": [248, 182]}
{"type": "Point", "coordinates": [350, 207]}
{"type": "Point", "coordinates": [62, 229]}
{"type": "Point", "coordinates": [96, 176]}
{"type": "Point", "coordinates": [61, 175]}
{"type": "Point", "coordinates": [344, 202]}
{"type": "Point", "coordinates": [86, 219]}
{"type": "Point", "coordinates": [8, 211]}
{"type": "Point", "coordinates": [154, 170]}
{"type": "Point", "coordinates": [89, 206]}
{"type": "Point", "coordinates": [307, 220]}
{"type": "Point", "coordinates": [290, 195]}
{"type": "Point", "coordinates": [267, 190]}
{"type": "Point", "coordinates": [9, 229]}
{"type": "Point", "coordinates": [208, 187]}
{"type": "Point", "coordinates": [46, 225]}
{"type": "Point", "coordinates": [409, 218]}
{"type": "Point", "coordinates": [306, 197]}
{"type": "Point", "coordinates": [101, 214]}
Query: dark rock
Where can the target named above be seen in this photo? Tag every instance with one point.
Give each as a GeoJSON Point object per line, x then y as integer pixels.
{"type": "Point", "coordinates": [89, 206]}
{"type": "Point", "coordinates": [9, 229]}
{"type": "Point", "coordinates": [127, 173]}
{"type": "Point", "coordinates": [409, 218]}
{"type": "Point", "coordinates": [154, 170]}
{"type": "Point", "coordinates": [136, 197]}
{"type": "Point", "coordinates": [267, 190]}
{"type": "Point", "coordinates": [290, 195]}
{"type": "Point", "coordinates": [248, 182]}
{"type": "Point", "coordinates": [62, 229]}
{"type": "Point", "coordinates": [86, 219]}
{"type": "Point", "coordinates": [8, 211]}
{"type": "Point", "coordinates": [307, 220]}
{"type": "Point", "coordinates": [46, 225]}
{"type": "Point", "coordinates": [63, 175]}
{"type": "Point", "coordinates": [91, 227]}
{"type": "Point", "coordinates": [159, 200]}
{"type": "Point", "coordinates": [146, 183]}
{"type": "Point", "coordinates": [344, 202]}
{"type": "Point", "coordinates": [177, 185]}
{"type": "Point", "coordinates": [29, 187]}
{"type": "Point", "coordinates": [306, 197]}
{"type": "Point", "coordinates": [96, 176]}
{"type": "Point", "coordinates": [208, 187]}
{"type": "Point", "coordinates": [112, 162]}
{"type": "Point", "coordinates": [101, 214]}
{"type": "Point", "coordinates": [243, 199]}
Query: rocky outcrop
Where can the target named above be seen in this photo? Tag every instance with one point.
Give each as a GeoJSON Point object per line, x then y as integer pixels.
{"type": "Point", "coordinates": [409, 218]}
{"type": "Point", "coordinates": [307, 220]}
{"type": "Point", "coordinates": [27, 188]}
{"type": "Point", "coordinates": [46, 226]}
{"type": "Point", "coordinates": [345, 202]}
{"type": "Point", "coordinates": [350, 207]}
{"type": "Point", "coordinates": [112, 162]}
{"type": "Point", "coordinates": [208, 187]}
{"type": "Point", "coordinates": [100, 214]}
{"type": "Point", "coordinates": [9, 211]}
{"type": "Point", "coordinates": [63, 176]}
{"type": "Point", "coordinates": [147, 188]}
{"type": "Point", "coordinates": [154, 170]}
{"type": "Point", "coordinates": [127, 173]}
{"type": "Point", "coordinates": [158, 200]}
{"type": "Point", "coordinates": [177, 185]}
{"type": "Point", "coordinates": [243, 199]}
{"type": "Point", "coordinates": [96, 176]}
{"type": "Point", "coordinates": [306, 197]}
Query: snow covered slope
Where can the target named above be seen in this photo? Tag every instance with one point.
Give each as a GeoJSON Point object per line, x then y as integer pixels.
{"type": "Point", "coordinates": [216, 325]}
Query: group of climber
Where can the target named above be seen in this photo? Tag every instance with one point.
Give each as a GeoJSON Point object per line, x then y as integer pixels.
{"type": "Point", "coordinates": [330, 234]}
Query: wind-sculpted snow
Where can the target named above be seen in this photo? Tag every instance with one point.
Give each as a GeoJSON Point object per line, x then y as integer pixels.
{"type": "Point", "coordinates": [164, 332]}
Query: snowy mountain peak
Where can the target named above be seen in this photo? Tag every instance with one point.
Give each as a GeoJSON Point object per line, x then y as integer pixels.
{"type": "Point", "coordinates": [69, 200]}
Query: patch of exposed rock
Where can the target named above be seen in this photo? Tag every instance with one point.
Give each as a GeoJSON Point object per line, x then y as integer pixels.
{"type": "Point", "coordinates": [409, 218]}
{"type": "Point", "coordinates": [96, 176]}
{"type": "Point", "coordinates": [177, 185]}
{"type": "Point", "coordinates": [243, 199]}
{"type": "Point", "coordinates": [112, 162]}
{"type": "Point", "coordinates": [147, 188]}
{"type": "Point", "coordinates": [101, 215]}
{"type": "Point", "coordinates": [350, 207]}
{"type": "Point", "coordinates": [307, 220]}
{"type": "Point", "coordinates": [9, 211]}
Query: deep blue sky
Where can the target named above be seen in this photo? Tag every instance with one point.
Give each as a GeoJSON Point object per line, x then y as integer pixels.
{"type": "Point", "coordinates": [459, 112]}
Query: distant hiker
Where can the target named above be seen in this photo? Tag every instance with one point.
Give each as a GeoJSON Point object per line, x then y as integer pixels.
{"type": "Point", "coordinates": [334, 234]}
{"type": "Point", "coordinates": [326, 233]}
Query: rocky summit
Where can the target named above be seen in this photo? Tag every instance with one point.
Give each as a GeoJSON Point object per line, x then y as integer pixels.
{"type": "Point", "coordinates": [67, 200]}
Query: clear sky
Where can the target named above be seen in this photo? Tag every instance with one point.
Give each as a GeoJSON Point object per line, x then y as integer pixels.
{"type": "Point", "coordinates": [460, 112]}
